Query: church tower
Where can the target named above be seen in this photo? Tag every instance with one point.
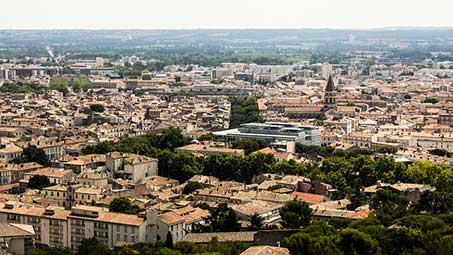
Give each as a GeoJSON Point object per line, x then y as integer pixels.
{"type": "Point", "coordinates": [330, 94]}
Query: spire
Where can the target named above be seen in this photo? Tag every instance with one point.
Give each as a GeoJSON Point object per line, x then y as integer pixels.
{"type": "Point", "coordinates": [330, 84]}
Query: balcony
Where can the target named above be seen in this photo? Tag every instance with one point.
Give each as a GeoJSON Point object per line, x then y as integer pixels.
{"type": "Point", "coordinates": [78, 233]}
{"type": "Point", "coordinates": [78, 225]}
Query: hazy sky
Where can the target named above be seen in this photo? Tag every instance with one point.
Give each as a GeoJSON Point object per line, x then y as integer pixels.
{"type": "Point", "coordinates": [154, 14]}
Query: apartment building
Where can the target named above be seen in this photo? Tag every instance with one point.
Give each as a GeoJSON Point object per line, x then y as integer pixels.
{"type": "Point", "coordinates": [55, 226]}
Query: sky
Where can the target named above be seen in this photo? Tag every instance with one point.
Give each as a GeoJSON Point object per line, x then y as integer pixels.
{"type": "Point", "coordinates": [190, 14]}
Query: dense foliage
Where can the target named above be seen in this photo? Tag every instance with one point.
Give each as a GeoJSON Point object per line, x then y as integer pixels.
{"type": "Point", "coordinates": [123, 205]}
{"type": "Point", "coordinates": [18, 88]}
{"type": "Point", "coordinates": [60, 84]}
{"type": "Point", "coordinates": [92, 246]}
{"type": "Point", "coordinates": [32, 154]}
{"type": "Point", "coordinates": [244, 110]}
{"type": "Point", "coordinates": [39, 182]}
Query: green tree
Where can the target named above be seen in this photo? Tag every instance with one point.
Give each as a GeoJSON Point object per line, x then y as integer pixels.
{"type": "Point", "coordinates": [352, 241]}
{"type": "Point", "coordinates": [315, 239]}
{"type": "Point", "coordinates": [191, 187]}
{"type": "Point", "coordinates": [172, 138]}
{"type": "Point", "coordinates": [435, 202]}
{"type": "Point", "coordinates": [126, 250]}
{"type": "Point", "coordinates": [33, 154]}
{"type": "Point", "coordinates": [388, 206]}
{"type": "Point", "coordinates": [244, 110]}
{"type": "Point", "coordinates": [39, 182]}
{"type": "Point", "coordinates": [296, 214]}
{"type": "Point", "coordinates": [247, 145]}
{"type": "Point", "coordinates": [169, 240]}
{"type": "Point", "coordinates": [256, 222]}
{"type": "Point", "coordinates": [428, 172]}
{"type": "Point", "coordinates": [92, 246]}
{"type": "Point", "coordinates": [97, 108]}
{"type": "Point", "coordinates": [224, 219]}
{"type": "Point", "coordinates": [123, 205]}
{"type": "Point", "coordinates": [60, 84]}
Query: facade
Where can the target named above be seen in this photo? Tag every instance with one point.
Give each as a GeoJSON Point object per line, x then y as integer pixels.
{"type": "Point", "coordinates": [16, 238]}
{"type": "Point", "coordinates": [272, 132]}
{"type": "Point", "coordinates": [131, 166]}
{"type": "Point", "coordinates": [55, 175]}
{"type": "Point", "coordinates": [55, 226]}
{"type": "Point", "coordinates": [330, 95]}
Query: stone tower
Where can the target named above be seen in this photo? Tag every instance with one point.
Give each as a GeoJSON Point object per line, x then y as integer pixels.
{"type": "Point", "coordinates": [330, 95]}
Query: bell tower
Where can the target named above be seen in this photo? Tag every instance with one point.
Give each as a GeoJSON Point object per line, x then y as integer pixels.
{"type": "Point", "coordinates": [330, 94]}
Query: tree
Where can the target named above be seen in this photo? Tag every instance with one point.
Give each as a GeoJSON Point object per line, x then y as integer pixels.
{"type": "Point", "coordinates": [428, 172]}
{"type": "Point", "coordinates": [248, 145]}
{"type": "Point", "coordinates": [388, 206]}
{"type": "Point", "coordinates": [296, 214]}
{"type": "Point", "coordinates": [315, 239]}
{"type": "Point", "coordinates": [431, 100]}
{"type": "Point", "coordinates": [97, 108]}
{"type": "Point", "coordinates": [172, 138]}
{"type": "Point", "coordinates": [191, 187]}
{"type": "Point", "coordinates": [352, 241]}
{"type": "Point", "coordinates": [51, 251]}
{"type": "Point", "coordinates": [60, 84]}
{"type": "Point", "coordinates": [224, 219]}
{"type": "Point", "coordinates": [92, 246]}
{"type": "Point", "coordinates": [33, 154]}
{"type": "Point", "coordinates": [38, 182]}
{"type": "Point", "coordinates": [123, 205]}
{"type": "Point", "coordinates": [169, 240]}
{"type": "Point", "coordinates": [126, 250]}
{"type": "Point", "coordinates": [440, 152]}
{"type": "Point", "coordinates": [435, 202]}
{"type": "Point", "coordinates": [244, 110]}
{"type": "Point", "coordinates": [256, 222]}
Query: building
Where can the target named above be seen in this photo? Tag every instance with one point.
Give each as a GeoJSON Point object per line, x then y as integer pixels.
{"type": "Point", "coordinates": [55, 175]}
{"type": "Point", "coordinates": [267, 211]}
{"type": "Point", "coordinates": [326, 71]}
{"type": "Point", "coordinates": [330, 94]}
{"type": "Point", "coordinates": [89, 177]}
{"type": "Point", "coordinates": [272, 132]}
{"type": "Point", "coordinates": [57, 227]}
{"type": "Point", "coordinates": [131, 166]}
{"type": "Point", "coordinates": [9, 151]}
{"type": "Point", "coordinates": [218, 74]}
{"type": "Point", "coordinates": [16, 238]}
{"type": "Point", "coordinates": [99, 62]}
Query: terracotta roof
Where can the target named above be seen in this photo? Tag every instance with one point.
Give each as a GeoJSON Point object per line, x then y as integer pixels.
{"type": "Point", "coordinates": [265, 250]}
{"type": "Point", "coordinates": [51, 172]}
{"type": "Point", "coordinates": [16, 230]}
{"type": "Point", "coordinates": [308, 197]}
{"type": "Point", "coordinates": [171, 218]}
